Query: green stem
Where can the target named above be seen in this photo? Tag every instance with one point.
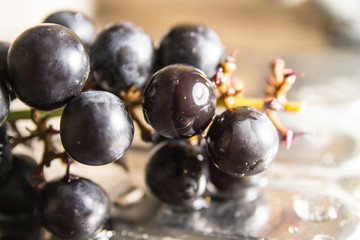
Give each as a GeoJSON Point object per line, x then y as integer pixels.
{"type": "Point", "coordinates": [13, 116]}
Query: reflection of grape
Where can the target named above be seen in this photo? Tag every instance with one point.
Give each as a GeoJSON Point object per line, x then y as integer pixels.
{"type": "Point", "coordinates": [179, 101]}
{"type": "Point", "coordinates": [96, 128]}
{"type": "Point", "coordinates": [177, 174]}
{"type": "Point", "coordinates": [197, 45]}
{"type": "Point", "coordinates": [77, 22]}
{"type": "Point", "coordinates": [121, 56]}
{"type": "Point", "coordinates": [74, 208]}
{"type": "Point", "coordinates": [48, 65]}
{"type": "Point", "coordinates": [230, 187]}
{"type": "Point", "coordinates": [242, 141]}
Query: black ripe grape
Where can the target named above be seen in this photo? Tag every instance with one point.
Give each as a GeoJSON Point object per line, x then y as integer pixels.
{"type": "Point", "coordinates": [197, 45]}
{"type": "Point", "coordinates": [242, 141]}
{"type": "Point", "coordinates": [79, 23]}
{"type": "Point", "coordinates": [17, 196]}
{"type": "Point", "coordinates": [74, 208]}
{"type": "Point", "coordinates": [122, 55]}
{"type": "Point", "coordinates": [179, 101]}
{"type": "Point", "coordinates": [5, 153]}
{"type": "Point", "coordinates": [4, 82]}
{"type": "Point", "coordinates": [4, 74]}
{"type": "Point", "coordinates": [177, 174]}
{"type": "Point", "coordinates": [4, 103]}
{"type": "Point", "coordinates": [96, 128]}
{"type": "Point", "coordinates": [48, 65]}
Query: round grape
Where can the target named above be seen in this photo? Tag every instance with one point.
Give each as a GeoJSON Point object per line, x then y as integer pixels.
{"type": "Point", "coordinates": [177, 174]}
{"type": "Point", "coordinates": [4, 74]}
{"type": "Point", "coordinates": [74, 208]}
{"type": "Point", "coordinates": [5, 153]}
{"type": "Point", "coordinates": [196, 45]}
{"type": "Point", "coordinates": [122, 55]}
{"type": "Point", "coordinates": [48, 65]}
{"type": "Point", "coordinates": [81, 24]}
{"type": "Point", "coordinates": [17, 196]}
{"type": "Point", "coordinates": [96, 128]}
{"type": "Point", "coordinates": [179, 101]}
{"type": "Point", "coordinates": [242, 141]}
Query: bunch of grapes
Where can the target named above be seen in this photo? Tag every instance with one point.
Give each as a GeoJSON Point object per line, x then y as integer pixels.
{"type": "Point", "coordinates": [96, 82]}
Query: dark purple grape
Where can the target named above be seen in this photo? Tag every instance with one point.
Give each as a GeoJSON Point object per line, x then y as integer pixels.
{"type": "Point", "coordinates": [242, 141]}
{"type": "Point", "coordinates": [79, 23]}
{"type": "Point", "coordinates": [177, 174]}
{"type": "Point", "coordinates": [74, 208]}
{"type": "Point", "coordinates": [5, 153]}
{"type": "Point", "coordinates": [4, 82]}
{"type": "Point", "coordinates": [179, 101]}
{"type": "Point", "coordinates": [196, 45]}
{"type": "Point", "coordinates": [122, 55]}
{"type": "Point", "coordinates": [17, 195]}
{"type": "Point", "coordinates": [4, 74]}
{"type": "Point", "coordinates": [96, 128]}
{"type": "Point", "coordinates": [22, 228]}
{"type": "Point", "coordinates": [4, 103]}
{"type": "Point", "coordinates": [48, 65]}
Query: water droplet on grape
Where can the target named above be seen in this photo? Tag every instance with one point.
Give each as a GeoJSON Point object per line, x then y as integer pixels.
{"type": "Point", "coordinates": [293, 229]}
{"type": "Point", "coordinates": [316, 208]}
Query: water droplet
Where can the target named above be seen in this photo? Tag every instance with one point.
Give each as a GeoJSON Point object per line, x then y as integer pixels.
{"type": "Point", "coordinates": [323, 237]}
{"type": "Point", "coordinates": [293, 229]}
{"type": "Point", "coordinates": [131, 197]}
{"type": "Point", "coordinates": [316, 208]}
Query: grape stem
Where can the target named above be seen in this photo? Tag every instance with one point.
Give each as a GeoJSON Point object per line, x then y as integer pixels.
{"type": "Point", "coordinates": [42, 131]}
{"type": "Point", "coordinates": [132, 99]}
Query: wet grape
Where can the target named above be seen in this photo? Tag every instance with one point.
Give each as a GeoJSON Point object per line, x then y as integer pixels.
{"type": "Point", "coordinates": [78, 22]}
{"type": "Point", "coordinates": [242, 141]}
{"type": "Point", "coordinates": [196, 45]}
{"type": "Point", "coordinates": [74, 208]}
{"type": "Point", "coordinates": [122, 55]}
{"type": "Point", "coordinates": [179, 101]}
{"type": "Point", "coordinates": [96, 128]}
{"type": "Point", "coordinates": [48, 65]}
{"type": "Point", "coordinates": [177, 174]}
